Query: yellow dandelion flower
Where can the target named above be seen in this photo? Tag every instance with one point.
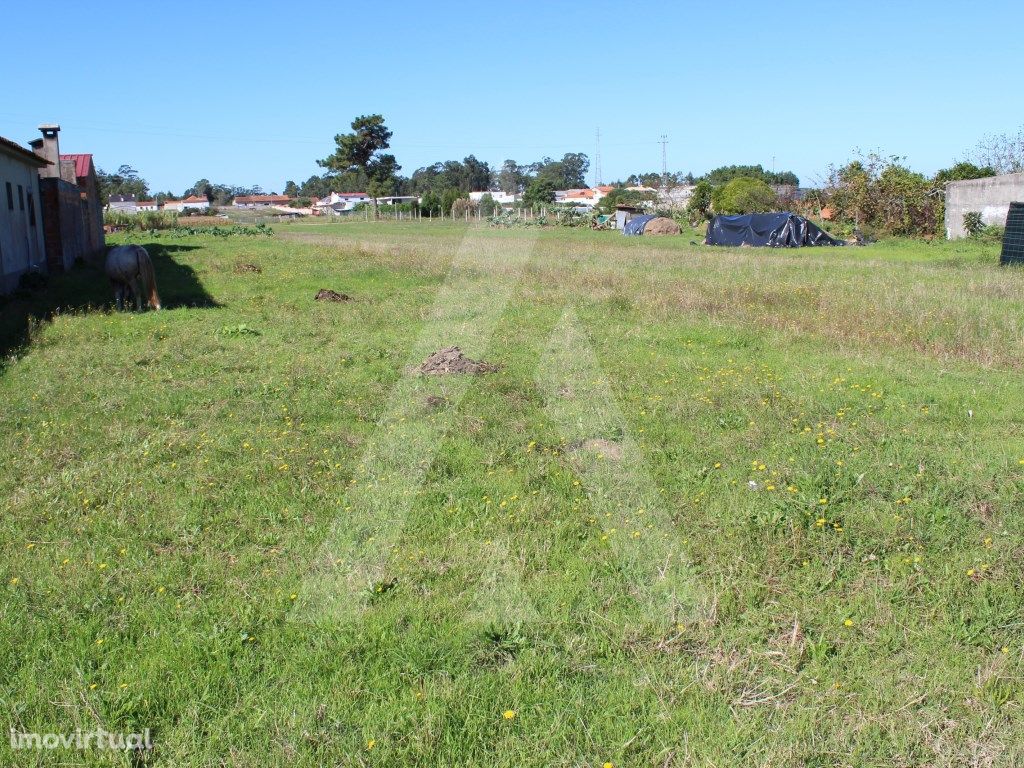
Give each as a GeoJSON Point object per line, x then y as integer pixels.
{"type": "Point", "coordinates": [970, 571]}
{"type": "Point", "coordinates": [1004, 649]}
{"type": "Point", "coordinates": [509, 714]}
{"type": "Point", "coordinates": [371, 743]}
{"type": "Point", "coordinates": [848, 623]}
{"type": "Point", "coordinates": [15, 580]}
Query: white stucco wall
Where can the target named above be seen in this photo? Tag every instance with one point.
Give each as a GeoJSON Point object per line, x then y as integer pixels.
{"type": "Point", "coordinates": [21, 243]}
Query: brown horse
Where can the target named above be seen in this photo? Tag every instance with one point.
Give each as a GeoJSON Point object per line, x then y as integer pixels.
{"type": "Point", "coordinates": [130, 271]}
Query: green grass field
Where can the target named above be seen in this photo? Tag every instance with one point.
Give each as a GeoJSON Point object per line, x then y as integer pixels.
{"type": "Point", "coordinates": [716, 507]}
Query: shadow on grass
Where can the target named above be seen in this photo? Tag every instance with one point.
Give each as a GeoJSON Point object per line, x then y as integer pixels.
{"type": "Point", "coordinates": [85, 289]}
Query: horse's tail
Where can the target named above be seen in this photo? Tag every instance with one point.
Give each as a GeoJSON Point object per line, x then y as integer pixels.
{"type": "Point", "coordinates": [149, 279]}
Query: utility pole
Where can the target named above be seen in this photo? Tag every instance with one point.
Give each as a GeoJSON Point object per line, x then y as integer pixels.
{"type": "Point", "coordinates": [664, 162]}
{"type": "Point", "coordinates": [597, 161]}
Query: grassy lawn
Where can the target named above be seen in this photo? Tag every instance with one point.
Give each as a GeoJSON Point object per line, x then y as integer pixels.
{"type": "Point", "coordinates": [723, 507]}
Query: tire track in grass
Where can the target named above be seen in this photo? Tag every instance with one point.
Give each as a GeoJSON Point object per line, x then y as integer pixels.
{"type": "Point", "coordinates": [637, 527]}
{"type": "Point", "coordinates": [353, 561]}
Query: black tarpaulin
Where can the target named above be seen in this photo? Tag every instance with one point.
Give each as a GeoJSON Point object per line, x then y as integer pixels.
{"type": "Point", "coordinates": [775, 230]}
{"type": "Point", "coordinates": [635, 226]}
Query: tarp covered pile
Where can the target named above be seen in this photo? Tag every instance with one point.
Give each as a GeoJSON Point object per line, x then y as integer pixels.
{"type": "Point", "coordinates": [635, 226]}
{"type": "Point", "coordinates": [775, 230]}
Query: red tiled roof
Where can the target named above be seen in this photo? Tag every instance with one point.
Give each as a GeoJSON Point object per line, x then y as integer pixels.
{"type": "Point", "coordinates": [262, 199]}
{"type": "Point", "coordinates": [83, 164]}
{"type": "Point", "coordinates": [145, 202]}
{"type": "Point", "coordinates": [22, 153]}
{"type": "Point", "coordinates": [194, 199]}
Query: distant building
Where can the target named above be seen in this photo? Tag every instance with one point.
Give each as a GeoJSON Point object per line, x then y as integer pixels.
{"type": "Point", "coordinates": [146, 205]}
{"type": "Point", "coordinates": [397, 199]}
{"type": "Point", "coordinates": [22, 246]}
{"type": "Point", "coordinates": [71, 209]}
{"type": "Point", "coordinates": [123, 203]}
{"type": "Point", "coordinates": [501, 198]}
{"type": "Point", "coordinates": [195, 201]}
{"type": "Point", "coordinates": [260, 201]}
{"type": "Point", "coordinates": [341, 202]}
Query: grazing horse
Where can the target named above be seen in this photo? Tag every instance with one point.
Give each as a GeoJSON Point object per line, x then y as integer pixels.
{"type": "Point", "coordinates": [130, 271]}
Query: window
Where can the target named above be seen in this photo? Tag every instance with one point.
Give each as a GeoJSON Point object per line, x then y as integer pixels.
{"type": "Point", "coordinates": [10, 197]}
{"type": "Point", "coordinates": [21, 198]}
{"type": "Point", "coordinates": [31, 210]}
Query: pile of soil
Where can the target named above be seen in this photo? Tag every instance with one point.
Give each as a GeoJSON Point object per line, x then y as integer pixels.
{"type": "Point", "coordinates": [326, 294]}
{"type": "Point", "coordinates": [661, 226]}
{"type": "Point", "coordinates": [244, 268]}
{"type": "Point", "coordinates": [451, 360]}
{"type": "Point", "coordinates": [436, 401]}
{"type": "Point", "coordinates": [600, 447]}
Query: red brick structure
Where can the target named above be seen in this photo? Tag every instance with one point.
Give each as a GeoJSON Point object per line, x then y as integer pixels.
{"type": "Point", "coordinates": [72, 213]}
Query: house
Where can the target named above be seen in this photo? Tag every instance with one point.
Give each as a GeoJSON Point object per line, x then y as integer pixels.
{"type": "Point", "coordinates": [22, 246]}
{"type": "Point", "coordinates": [991, 197]}
{"type": "Point", "coordinates": [122, 203]}
{"type": "Point", "coordinates": [338, 203]}
{"type": "Point", "coordinates": [70, 204]}
{"type": "Point", "coordinates": [172, 206]}
{"type": "Point", "coordinates": [260, 201]}
{"type": "Point", "coordinates": [147, 205]}
{"type": "Point", "coordinates": [195, 201]}
{"type": "Point", "coordinates": [501, 198]}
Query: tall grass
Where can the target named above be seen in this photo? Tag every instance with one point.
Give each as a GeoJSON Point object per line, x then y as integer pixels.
{"type": "Point", "coordinates": [141, 221]}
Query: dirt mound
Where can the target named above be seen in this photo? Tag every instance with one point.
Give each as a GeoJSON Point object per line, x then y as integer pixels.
{"type": "Point", "coordinates": [451, 360]}
{"type": "Point", "coordinates": [661, 226]}
{"type": "Point", "coordinates": [436, 401]}
{"type": "Point", "coordinates": [326, 294]}
{"type": "Point", "coordinates": [242, 269]}
{"type": "Point", "coordinates": [605, 449]}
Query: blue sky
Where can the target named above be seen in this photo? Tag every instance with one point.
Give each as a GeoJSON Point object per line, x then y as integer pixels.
{"type": "Point", "coordinates": [252, 93]}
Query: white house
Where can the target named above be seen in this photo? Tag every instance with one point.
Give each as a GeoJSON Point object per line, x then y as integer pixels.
{"type": "Point", "coordinates": [502, 198]}
{"type": "Point", "coordinates": [397, 199]}
{"type": "Point", "coordinates": [21, 226]}
{"type": "Point", "coordinates": [147, 205]}
{"type": "Point", "coordinates": [342, 202]}
{"type": "Point", "coordinates": [122, 203]}
{"type": "Point", "coordinates": [195, 201]}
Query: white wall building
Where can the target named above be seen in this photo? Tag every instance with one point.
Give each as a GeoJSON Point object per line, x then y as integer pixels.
{"type": "Point", "coordinates": [21, 218]}
{"type": "Point", "coordinates": [342, 202]}
{"type": "Point", "coordinates": [502, 198]}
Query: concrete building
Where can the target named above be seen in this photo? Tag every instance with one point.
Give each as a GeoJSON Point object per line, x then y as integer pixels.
{"type": "Point", "coordinates": [147, 205]}
{"type": "Point", "coordinates": [22, 246]}
{"type": "Point", "coordinates": [991, 197]}
{"type": "Point", "coordinates": [71, 210]}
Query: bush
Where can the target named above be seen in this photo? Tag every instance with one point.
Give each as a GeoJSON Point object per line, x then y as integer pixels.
{"type": "Point", "coordinates": [699, 205]}
{"type": "Point", "coordinates": [973, 224]}
{"type": "Point", "coordinates": [744, 195]}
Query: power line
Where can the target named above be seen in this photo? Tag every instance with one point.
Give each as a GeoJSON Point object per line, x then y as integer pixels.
{"type": "Point", "coordinates": [664, 161]}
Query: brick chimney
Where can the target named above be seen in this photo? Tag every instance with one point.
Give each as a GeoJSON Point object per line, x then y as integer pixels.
{"type": "Point", "coordinates": [48, 148]}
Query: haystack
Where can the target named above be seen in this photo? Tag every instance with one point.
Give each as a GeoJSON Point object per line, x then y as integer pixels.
{"type": "Point", "coordinates": [662, 226]}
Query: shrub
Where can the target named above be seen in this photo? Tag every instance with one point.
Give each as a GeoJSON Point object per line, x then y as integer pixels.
{"type": "Point", "coordinates": [973, 224]}
{"type": "Point", "coordinates": [744, 195]}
